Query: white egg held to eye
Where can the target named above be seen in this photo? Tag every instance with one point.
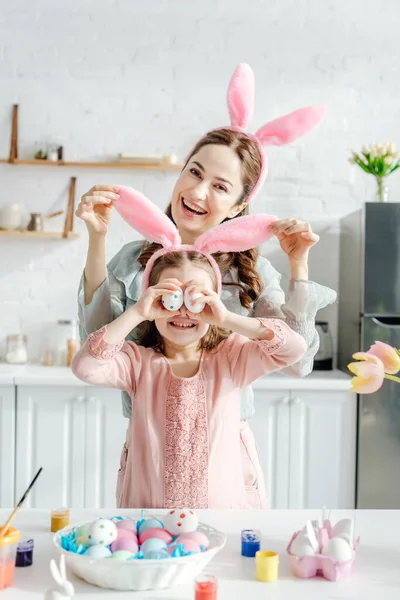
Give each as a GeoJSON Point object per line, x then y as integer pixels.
{"type": "Point", "coordinates": [189, 300]}
{"type": "Point", "coordinates": [180, 520]}
{"type": "Point", "coordinates": [172, 301]}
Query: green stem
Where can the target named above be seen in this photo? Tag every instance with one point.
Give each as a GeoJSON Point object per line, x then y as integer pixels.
{"type": "Point", "coordinates": [393, 378]}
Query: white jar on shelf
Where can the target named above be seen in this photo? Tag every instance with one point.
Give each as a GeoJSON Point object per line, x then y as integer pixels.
{"type": "Point", "coordinates": [10, 216]}
{"type": "Point", "coordinates": [16, 353]}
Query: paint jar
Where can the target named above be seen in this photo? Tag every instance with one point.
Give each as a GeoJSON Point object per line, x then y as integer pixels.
{"type": "Point", "coordinates": [24, 554]}
{"type": "Point", "coordinates": [267, 564]}
{"type": "Point", "coordinates": [8, 551]}
{"type": "Point", "coordinates": [251, 539]}
{"type": "Point", "coordinates": [59, 519]}
{"type": "Point", "coordinates": [206, 587]}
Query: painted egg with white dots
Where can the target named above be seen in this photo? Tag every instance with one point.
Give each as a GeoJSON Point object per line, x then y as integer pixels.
{"type": "Point", "coordinates": [102, 531]}
{"type": "Point", "coordinates": [190, 298]}
{"type": "Point", "coordinates": [172, 301]}
{"type": "Point", "coordinates": [180, 520]}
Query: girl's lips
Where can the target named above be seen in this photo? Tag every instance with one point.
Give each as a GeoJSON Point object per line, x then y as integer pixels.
{"type": "Point", "coordinates": [182, 325]}
{"type": "Point", "coordinates": [191, 213]}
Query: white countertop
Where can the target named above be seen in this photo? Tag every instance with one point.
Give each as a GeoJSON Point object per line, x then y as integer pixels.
{"type": "Point", "coordinates": [376, 572]}
{"type": "Point", "coordinates": [40, 375]}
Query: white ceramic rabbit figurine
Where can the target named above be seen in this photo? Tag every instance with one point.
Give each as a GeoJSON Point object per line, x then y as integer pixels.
{"type": "Point", "coordinates": [64, 589]}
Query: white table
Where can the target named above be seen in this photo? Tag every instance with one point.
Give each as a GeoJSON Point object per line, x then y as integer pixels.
{"type": "Point", "coordinates": [376, 572]}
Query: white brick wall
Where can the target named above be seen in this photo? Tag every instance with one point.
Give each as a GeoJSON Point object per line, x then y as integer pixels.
{"type": "Point", "coordinates": [126, 75]}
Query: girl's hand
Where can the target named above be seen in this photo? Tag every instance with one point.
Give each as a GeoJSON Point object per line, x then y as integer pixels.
{"type": "Point", "coordinates": [149, 305]}
{"type": "Point", "coordinates": [296, 238]}
{"type": "Point", "coordinates": [214, 312]}
{"type": "Point", "coordinates": [95, 207]}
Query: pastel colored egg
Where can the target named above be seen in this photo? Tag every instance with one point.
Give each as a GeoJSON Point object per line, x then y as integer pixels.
{"type": "Point", "coordinates": [121, 555]}
{"type": "Point", "coordinates": [189, 545]}
{"type": "Point", "coordinates": [156, 533]}
{"type": "Point", "coordinates": [82, 540]}
{"type": "Point", "coordinates": [190, 298]}
{"type": "Point", "coordinates": [126, 524]}
{"type": "Point", "coordinates": [98, 551]}
{"type": "Point", "coordinates": [82, 530]}
{"type": "Point", "coordinates": [124, 543]}
{"type": "Point", "coordinates": [125, 533]}
{"type": "Point", "coordinates": [102, 531]}
{"type": "Point", "coordinates": [172, 301]}
{"type": "Point", "coordinates": [197, 536]}
{"type": "Point", "coordinates": [152, 544]}
{"type": "Point", "coordinates": [148, 524]}
{"type": "Point", "coordinates": [180, 520]}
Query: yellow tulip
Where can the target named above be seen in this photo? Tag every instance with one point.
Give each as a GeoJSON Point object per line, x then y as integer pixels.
{"type": "Point", "coordinates": [369, 374]}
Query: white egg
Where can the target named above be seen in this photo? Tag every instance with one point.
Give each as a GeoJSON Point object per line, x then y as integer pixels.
{"type": "Point", "coordinates": [102, 531]}
{"type": "Point", "coordinates": [180, 520]}
{"type": "Point", "coordinates": [301, 546]}
{"type": "Point", "coordinates": [338, 550]}
{"type": "Point", "coordinates": [189, 300]}
{"type": "Point", "coordinates": [172, 301]}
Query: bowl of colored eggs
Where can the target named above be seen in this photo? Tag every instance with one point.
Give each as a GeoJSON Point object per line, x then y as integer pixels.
{"type": "Point", "coordinates": [152, 552]}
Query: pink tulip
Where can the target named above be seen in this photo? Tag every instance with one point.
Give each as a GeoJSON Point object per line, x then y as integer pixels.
{"type": "Point", "coordinates": [388, 355]}
{"type": "Point", "coordinates": [369, 374]}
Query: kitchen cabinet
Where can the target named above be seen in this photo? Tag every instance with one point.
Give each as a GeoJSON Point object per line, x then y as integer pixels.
{"type": "Point", "coordinates": [76, 434]}
{"type": "Point", "coordinates": [7, 444]}
{"type": "Point", "coordinates": [307, 446]}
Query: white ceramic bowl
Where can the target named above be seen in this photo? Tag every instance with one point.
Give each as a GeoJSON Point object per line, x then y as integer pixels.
{"type": "Point", "coordinates": [146, 574]}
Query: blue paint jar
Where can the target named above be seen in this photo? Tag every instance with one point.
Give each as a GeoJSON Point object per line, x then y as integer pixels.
{"type": "Point", "coordinates": [24, 554]}
{"type": "Point", "coordinates": [251, 540]}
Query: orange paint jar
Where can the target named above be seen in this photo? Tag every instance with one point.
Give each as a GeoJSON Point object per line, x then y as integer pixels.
{"type": "Point", "coordinates": [59, 519]}
{"type": "Point", "coordinates": [8, 553]}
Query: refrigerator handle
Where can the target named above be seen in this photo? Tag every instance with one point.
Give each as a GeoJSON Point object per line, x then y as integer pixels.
{"type": "Point", "coordinates": [382, 322]}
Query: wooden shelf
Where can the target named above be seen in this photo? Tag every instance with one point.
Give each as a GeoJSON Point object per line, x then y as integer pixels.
{"type": "Point", "coordinates": [55, 235]}
{"type": "Point", "coordinates": [102, 165]}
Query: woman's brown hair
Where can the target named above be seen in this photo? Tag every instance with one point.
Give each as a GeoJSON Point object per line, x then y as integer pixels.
{"type": "Point", "coordinates": [250, 283]}
{"type": "Point", "coordinates": [147, 332]}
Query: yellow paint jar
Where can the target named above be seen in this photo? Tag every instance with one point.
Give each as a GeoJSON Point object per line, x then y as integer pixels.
{"type": "Point", "coordinates": [59, 519]}
{"type": "Point", "coordinates": [267, 564]}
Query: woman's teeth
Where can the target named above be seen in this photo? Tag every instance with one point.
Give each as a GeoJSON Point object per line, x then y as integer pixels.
{"type": "Point", "coordinates": [183, 325]}
{"type": "Point", "coordinates": [192, 208]}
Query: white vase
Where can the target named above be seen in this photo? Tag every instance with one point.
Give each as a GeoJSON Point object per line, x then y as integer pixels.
{"type": "Point", "coordinates": [11, 216]}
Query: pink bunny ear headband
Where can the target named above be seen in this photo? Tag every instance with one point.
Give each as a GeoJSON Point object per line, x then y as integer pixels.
{"type": "Point", "coordinates": [279, 132]}
{"type": "Point", "coordinates": [235, 235]}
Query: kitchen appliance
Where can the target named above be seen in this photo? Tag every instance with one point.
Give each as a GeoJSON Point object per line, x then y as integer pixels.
{"type": "Point", "coordinates": [369, 310]}
{"type": "Point", "coordinates": [323, 360]}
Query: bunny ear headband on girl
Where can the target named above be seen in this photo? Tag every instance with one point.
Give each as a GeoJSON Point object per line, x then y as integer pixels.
{"type": "Point", "coordinates": [235, 235]}
{"type": "Point", "coordinates": [278, 132]}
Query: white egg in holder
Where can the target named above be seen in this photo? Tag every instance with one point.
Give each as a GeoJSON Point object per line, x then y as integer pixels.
{"type": "Point", "coordinates": [189, 301]}
{"type": "Point", "coordinates": [172, 301]}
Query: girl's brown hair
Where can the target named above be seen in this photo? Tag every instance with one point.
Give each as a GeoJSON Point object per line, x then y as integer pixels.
{"type": "Point", "coordinates": [250, 283]}
{"type": "Point", "coordinates": [148, 334]}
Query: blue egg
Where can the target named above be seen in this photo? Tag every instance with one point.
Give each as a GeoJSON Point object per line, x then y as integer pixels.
{"type": "Point", "coordinates": [152, 544]}
{"type": "Point", "coordinates": [157, 554]}
{"type": "Point", "coordinates": [98, 551]}
{"type": "Point", "coordinates": [149, 524]}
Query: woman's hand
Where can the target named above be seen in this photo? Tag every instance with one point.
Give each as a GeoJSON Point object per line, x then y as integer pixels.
{"type": "Point", "coordinates": [95, 207]}
{"type": "Point", "coordinates": [149, 305]}
{"type": "Point", "coordinates": [214, 312]}
{"type": "Point", "coordinates": [296, 238]}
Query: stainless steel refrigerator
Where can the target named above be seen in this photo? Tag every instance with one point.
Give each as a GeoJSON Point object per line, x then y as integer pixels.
{"type": "Point", "coordinates": [369, 310]}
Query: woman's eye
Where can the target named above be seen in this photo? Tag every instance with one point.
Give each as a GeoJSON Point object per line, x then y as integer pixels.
{"type": "Point", "coordinates": [195, 172]}
{"type": "Point", "coordinates": [220, 187]}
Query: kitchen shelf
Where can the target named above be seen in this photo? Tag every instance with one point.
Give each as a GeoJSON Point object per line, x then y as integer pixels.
{"type": "Point", "coordinates": [103, 165]}
{"type": "Point", "coordinates": [55, 235]}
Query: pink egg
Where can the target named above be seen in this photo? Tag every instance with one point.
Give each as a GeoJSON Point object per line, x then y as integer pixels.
{"type": "Point", "coordinates": [126, 524]}
{"type": "Point", "coordinates": [189, 545]}
{"type": "Point", "coordinates": [156, 532]}
{"type": "Point", "coordinates": [125, 543]}
{"type": "Point", "coordinates": [197, 536]}
{"type": "Point", "coordinates": [125, 533]}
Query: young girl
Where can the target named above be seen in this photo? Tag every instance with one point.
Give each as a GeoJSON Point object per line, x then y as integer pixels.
{"type": "Point", "coordinates": [187, 374]}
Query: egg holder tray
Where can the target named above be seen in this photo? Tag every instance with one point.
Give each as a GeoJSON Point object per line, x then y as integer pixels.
{"type": "Point", "coordinates": [319, 565]}
{"type": "Point", "coordinates": [144, 574]}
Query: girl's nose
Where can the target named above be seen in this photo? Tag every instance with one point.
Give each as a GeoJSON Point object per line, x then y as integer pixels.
{"type": "Point", "coordinates": [199, 192]}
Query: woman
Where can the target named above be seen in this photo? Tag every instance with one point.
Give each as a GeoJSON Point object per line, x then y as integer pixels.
{"type": "Point", "coordinates": [222, 174]}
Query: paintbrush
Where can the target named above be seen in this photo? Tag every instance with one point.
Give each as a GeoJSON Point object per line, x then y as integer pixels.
{"type": "Point", "coordinates": [14, 512]}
